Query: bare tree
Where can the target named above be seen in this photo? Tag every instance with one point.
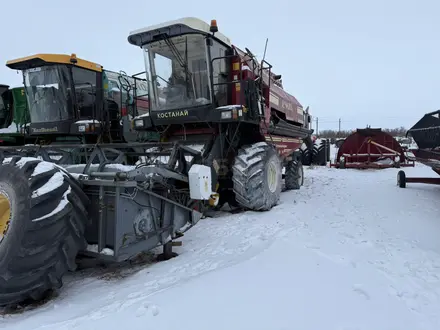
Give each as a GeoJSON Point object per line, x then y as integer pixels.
{"type": "Point", "coordinates": [335, 134]}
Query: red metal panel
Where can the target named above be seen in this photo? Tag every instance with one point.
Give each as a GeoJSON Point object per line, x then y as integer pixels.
{"type": "Point", "coordinates": [285, 145]}
{"type": "Point", "coordinates": [361, 147]}
{"type": "Point", "coordinates": [284, 102]}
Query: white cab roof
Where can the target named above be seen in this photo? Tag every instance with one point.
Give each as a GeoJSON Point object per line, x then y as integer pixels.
{"type": "Point", "coordinates": [190, 22]}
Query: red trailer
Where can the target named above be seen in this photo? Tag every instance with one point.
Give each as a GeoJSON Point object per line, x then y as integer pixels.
{"type": "Point", "coordinates": [371, 148]}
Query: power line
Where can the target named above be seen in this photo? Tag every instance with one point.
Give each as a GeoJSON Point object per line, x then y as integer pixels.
{"type": "Point", "coordinates": [348, 119]}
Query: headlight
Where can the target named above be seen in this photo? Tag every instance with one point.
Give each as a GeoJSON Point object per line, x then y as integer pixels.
{"type": "Point", "coordinates": [226, 115]}
{"type": "Point", "coordinates": [81, 128]}
{"type": "Point", "coordinates": [139, 123]}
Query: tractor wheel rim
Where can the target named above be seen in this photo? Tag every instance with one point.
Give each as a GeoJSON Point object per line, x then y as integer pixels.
{"type": "Point", "coordinates": [300, 175]}
{"type": "Point", "coordinates": [272, 177]}
{"type": "Point", "coordinates": [5, 214]}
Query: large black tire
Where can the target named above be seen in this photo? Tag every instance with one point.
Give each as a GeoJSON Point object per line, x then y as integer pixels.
{"type": "Point", "coordinates": [250, 177]}
{"type": "Point", "coordinates": [306, 156]}
{"type": "Point", "coordinates": [306, 152]}
{"type": "Point", "coordinates": [45, 231]}
{"type": "Point", "coordinates": [319, 156]}
{"type": "Point", "coordinates": [294, 175]}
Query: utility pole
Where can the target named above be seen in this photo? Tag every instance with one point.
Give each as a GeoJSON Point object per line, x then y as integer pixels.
{"type": "Point", "coordinates": [316, 126]}
{"type": "Point", "coordinates": [339, 129]}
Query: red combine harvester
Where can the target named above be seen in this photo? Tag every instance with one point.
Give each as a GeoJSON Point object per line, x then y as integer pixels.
{"type": "Point", "coordinates": [426, 134]}
{"type": "Point", "coordinates": [230, 107]}
{"type": "Point", "coordinates": [371, 148]}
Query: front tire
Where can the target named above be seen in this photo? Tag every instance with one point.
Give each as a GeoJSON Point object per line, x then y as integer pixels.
{"type": "Point", "coordinates": [257, 177]}
{"type": "Point", "coordinates": [44, 230]}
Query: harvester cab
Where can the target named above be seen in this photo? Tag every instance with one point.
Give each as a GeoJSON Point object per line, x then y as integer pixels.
{"type": "Point", "coordinates": [74, 99]}
{"type": "Point", "coordinates": [197, 77]}
{"type": "Point", "coordinates": [14, 116]}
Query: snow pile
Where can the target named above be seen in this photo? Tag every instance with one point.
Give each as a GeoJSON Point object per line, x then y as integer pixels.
{"type": "Point", "coordinates": [94, 248]}
{"type": "Point", "coordinates": [88, 121]}
{"type": "Point", "coordinates": [13, 128]}
{"type": "Point", "coordinates": [384, 161]}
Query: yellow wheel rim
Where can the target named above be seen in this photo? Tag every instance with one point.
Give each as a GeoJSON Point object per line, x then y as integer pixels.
{"type": "Point", "coordinates": [5, 214]}
{"type": "Point", "coordinates": [272, 177]}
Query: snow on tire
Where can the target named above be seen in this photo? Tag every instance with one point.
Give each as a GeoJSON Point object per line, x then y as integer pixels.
{"type": "Point", "coordinates": [43, 217]}
{"type": "Point", "coordinates": [294, 175]}
{"type": "Point", "coordinates": [257, 177]}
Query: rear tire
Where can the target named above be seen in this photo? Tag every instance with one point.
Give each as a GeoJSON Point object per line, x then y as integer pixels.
{"type": "Point", "coordinates": [306, 153]}
{"type": "Point", "coordinates": [257, 177]}
{"type": "Point", "coordinates": [294, 175]}
{"type": "Point", "coordinates": [319, 156]}
{"type": "Point", "coordinates": [45, 230]}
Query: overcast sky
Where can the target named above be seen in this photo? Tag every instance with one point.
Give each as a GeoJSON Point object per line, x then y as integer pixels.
{"type": "Point", "coordinates": [373, 62]}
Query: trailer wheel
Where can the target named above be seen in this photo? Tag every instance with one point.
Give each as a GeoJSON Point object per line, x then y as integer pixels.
{"type": "Point", "coordinates": [342, 163]}
{"type": "Point", "coordinates": [257, 177]}
{"type": "Point", "coordinates": [294, 175]}
{"type": "Point", "coordinates": [401, 179]}
{"type": "Point", "coordinates": [42, 222]}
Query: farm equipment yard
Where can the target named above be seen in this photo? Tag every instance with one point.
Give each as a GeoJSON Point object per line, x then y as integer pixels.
{"type": "Point", "coordinates": [199, 193]}
{"type": "Point", "coordinates": [351, 251]}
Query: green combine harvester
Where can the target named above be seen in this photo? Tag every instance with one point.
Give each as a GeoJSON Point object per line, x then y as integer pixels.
{"type": "Point", "coordinates": [14, 116]}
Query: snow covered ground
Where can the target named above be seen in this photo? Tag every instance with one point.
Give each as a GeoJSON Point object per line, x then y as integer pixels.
{"type": "Point", "coordinates": [350, 250]}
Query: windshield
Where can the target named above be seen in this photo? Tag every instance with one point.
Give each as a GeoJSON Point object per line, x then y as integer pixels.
{"type": "Point", "coordinates": [85, 91]}
{"type": "Point", "coordinates": [178, 72]}
{"type": "Point", "coordinates": [47, 94]}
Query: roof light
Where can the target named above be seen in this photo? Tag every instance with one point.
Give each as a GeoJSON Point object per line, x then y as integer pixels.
{"type": "Point", "coordinates": [73, 58]}
{"type": "Point", "coordinates": [213, 28]}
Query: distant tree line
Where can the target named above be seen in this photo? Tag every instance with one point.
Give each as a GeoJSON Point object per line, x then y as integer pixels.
{"type": "Point", "coordinates": [334, 134]}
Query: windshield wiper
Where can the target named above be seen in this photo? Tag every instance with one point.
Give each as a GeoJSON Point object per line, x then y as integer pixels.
{"type": "Point", "coordinates": [176, 53]}
{"type": "Point", "coordinates": [183, 62]}
{"type": "Point", "coordinates": [158, 76]}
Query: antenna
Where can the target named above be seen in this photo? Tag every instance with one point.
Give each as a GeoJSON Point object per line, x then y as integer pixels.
{"type": "Point", "coordinates": [260, 74]}
{"type": "Point", "coordinates": [265, 49]}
